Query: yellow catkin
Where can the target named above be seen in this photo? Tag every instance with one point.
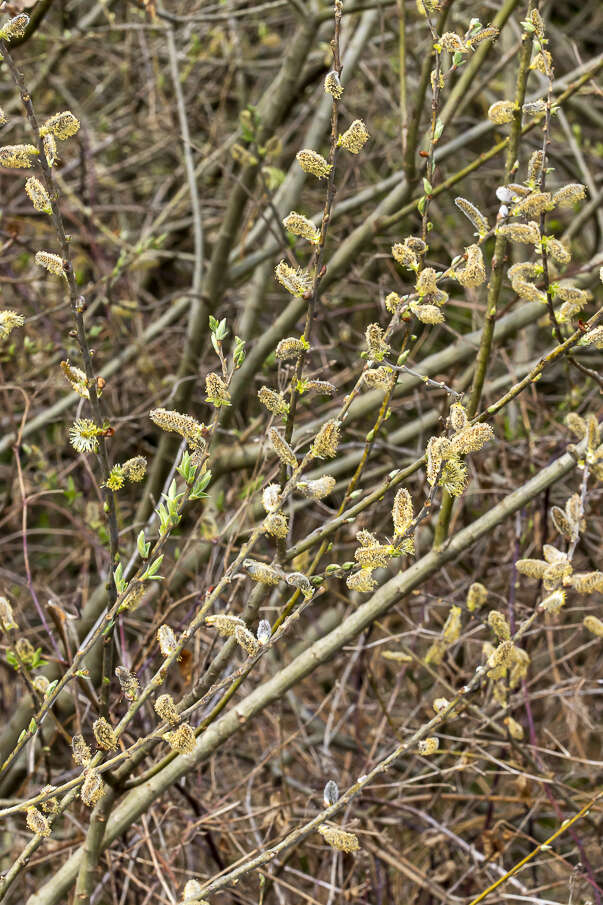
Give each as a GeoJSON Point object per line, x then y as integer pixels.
{"type": "Point", "coordinates": [224, 623]}
{"type": "Point", "coordinates": [262, 573]}
{"type": "Point", "coordinates": [182, 739]}
{"type": "Point", "coordinates": [452, 627]}
{"type": "Point", "coordinates": [282, 448]}
{"type": "Point", "coordinates": [355, 137]}
{"type": "Point", "coordinates": [9, 321]}
{"type": "Point", "coordinates": [569, 194]}
{"type": "Point", "coordinates": [276, 524]}
{"type": "Point", "coordinates": [326, 441]}
{"type": "Point", "coordinates": [290, 347]}
{"type": "Point", "coordinates": [18, 156]}
{"type": "Point", "coordinates": [474, 215]}
{"type": "Point", "coordinates": [80, 751]}
{"type": "Point", "coordinates": [404, 255]}
{"type": "Point", "coordinates": [317, 489]}
{"type": "Point", "coordinates": [37, 823]}
{"type": "Point", "coordinates": [104, 734]}
{"type": "Point", "coordinates": [167, 640]}
{"type": "Point", "coordinates": [92, 788]}
{"type": "Point", "coordinates": [53, 263]}
{"type": "Point", "coordinates": [216, 390]}
{"type": "Point", "coordinates": [295, 280]}
{"type": "Point", "coordinates": [339, 839]}
{"type": "Point", "coordinates": [313, 163]}
{"type": "Point", "coordinates": [501, 112]}
{"type": "Point", "coordinates": [61, 125]}
{"type": "Point", "coordinates": [553, 602]}
{"type": "Point", "coordinates": [185, 425]}
{"type": "Point", "coordinates": [499, 625]}
{"type": "Point", "coordinates": [361, 581]}
{"type": "Point", "coordinates": [165, 708]}
{"type": "Point", "coordinates": [593, 625]}
{"type": "Point", "coordinates": [274, 402]}
{"type": "Point", "coordinates": [473, 274]}
{"type": "Point", "coordinates": [246, 640]}
{"type": "Point", "coordinates": [428, 746]}
{"type": "Point", "coordinates": [476, 596]}
{"type": "Point", "coordinates": [587, 582]}
{"type": "Point", "coordinates": [38, 195]}
{"type": "Point", "coordinates": [515, 729]}
{"type": "Point", "coordinates": [402, 511]}
{"type": "Point", "coordinates": [470, 439]}
{"type": "Point", "coordinates": [300, 226]}
{"type": "Point", "coordinates": [7, 619]}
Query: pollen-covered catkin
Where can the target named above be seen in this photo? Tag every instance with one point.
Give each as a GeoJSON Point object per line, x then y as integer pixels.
{"type": "Point", "coordinates": [402, 511]}
{"type": "Point", "coordinates": [224, 623]}
{"type": "Point", "coordinates": [515, 729]}
{"type": "Point", "coordinates": [300, 226]}
{"type": "Point", "coordinates": [276, 524]}
{"type": "Point", "coordinates": [53, 263]}
{"type": "Point", "coordinates": [313, 163]}
{"type": "Point", "coordinates": [282, 448]}
{"type": "Point", "coordinates": [361, 581]}
{"type": "Point", "coordinates": [593, 625]}
{"type": "Point", "coordinates": [404, 255]}
{"type": "Point", "coordinates": [262, 572]}
{"type": "Point", "coordinates": [476, 596]}
{"type": "Point", "coordinates": [274, 402]}
{"type": "Point", "coordinates": [473, 274]}
{"type": "Point", "coordinates": [474, 215]}
{"type": "Point", "coordinates": [216, 390]}
{"type": "Point", "coordinates": [339, 839]}
{"type": "Point", "coordinates": [567, 195]}
{"type": "Point", "coordinates": [185, 425]}
{"type": "Point", "coordinates": [326, 441]}
{"type": "Point", "coordinates": [92, 788]}
{"type": "Point", "coordinates": [80, 751]}
{"type": "Point", "coordinates": [61, 125]}
{"type": "Point", "coordinates": [295, 280]}
{"type": "Point", "coordinates": [470, 439]}
{"type": "Point", "coordinates": [290, 347]}
{"type": "Point", "coordinates": [37, 823]}
{"type": "Point", "coordinates": [128, 683]}
{"type": "Point", "coordinates": [375, 343]}
{"type": "Point", "coordinates": [317, 489]}
{"type": "Point", "coordinates": [9, 321]}
{"type": "Point", "coordinates": [501, 112]}
{"type": "Point", "coordinates": [38, 195]}
{"type": "Point", "coordinates": [524, 233]}
{"type": "Point", "coordinates": [246, 640]}
{"type": "Point", "coordinates": [428, 746]}
{"type": "Point", "coordinates": [355, 137]}
{"type": "Point", "coordinates": [7, 619]}
{"type": "Point", "coordinates": [18, 156]}
{"type": "Point", "coordinates": [167, 640]}
{"type": "Point", "coordinates": [499, 625]}
{"type": "Point", "coordinates": [553, 602]}
{"type": "Point", "coordinates": [452, 627]}
{"type": "Point", "coordinates": [104, 734]}
{"type": "Point", "coordinates": [587, 582]}
{"type": "Point", "coordinates": [182, 739]}
{"type": "Point", "coordinates": [165, 708]}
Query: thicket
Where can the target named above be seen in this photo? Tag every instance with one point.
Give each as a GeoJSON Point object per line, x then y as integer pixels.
{"type": "Point", "coordinates": [301, 454]}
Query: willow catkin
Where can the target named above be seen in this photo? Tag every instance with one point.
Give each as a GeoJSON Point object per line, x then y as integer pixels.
{"type": "Point", "coordinates": [339, 839]}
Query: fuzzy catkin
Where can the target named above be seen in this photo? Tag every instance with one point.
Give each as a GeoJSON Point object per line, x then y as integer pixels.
{"type": "Point", "coordinates": [326, 441]}
{"type": "Point", "coordinates": [339, 839]}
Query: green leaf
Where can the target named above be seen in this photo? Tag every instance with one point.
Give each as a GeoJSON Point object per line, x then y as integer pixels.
{"type": "Point", "coordinates": [142, 545]}
{"type": "Point", "coordinates": [427, 187]}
